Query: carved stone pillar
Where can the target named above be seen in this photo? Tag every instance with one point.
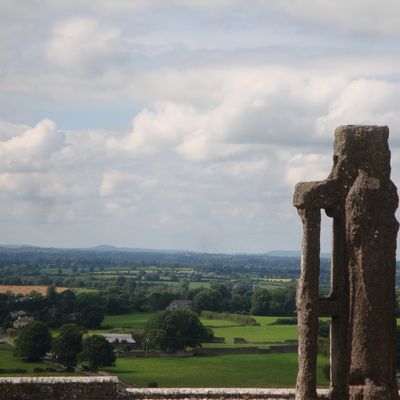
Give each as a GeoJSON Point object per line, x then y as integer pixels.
{"type": "Point", "coordinates": [362, 200]}
{"type": "Point", "coordinates": [307, 304]}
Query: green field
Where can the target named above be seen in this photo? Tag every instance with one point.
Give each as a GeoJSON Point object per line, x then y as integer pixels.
{"type": "Point", "coordinates": [135, 321]}
{"type": "Point", "coordinates": [239, 370]}
{"type": "Point", "coordinates": [243, 370]}
{"type": "Point", "coordinates": [218, 322]}
{"type": "Point", "coordinates": [267, 331]}
{"type": "Point", "coordinates": [9, 361]}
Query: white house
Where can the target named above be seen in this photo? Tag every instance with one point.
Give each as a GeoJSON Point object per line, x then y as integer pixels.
{"type": "Point", "coordinates": [180, 305]}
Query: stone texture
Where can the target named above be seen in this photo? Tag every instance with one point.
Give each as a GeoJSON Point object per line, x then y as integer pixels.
{"type": "Point", "coordinates": [107, 388]}
{"type": "Point", "coordinates": [60, 388]}
{"type": "Point", "coordinates": [360, 197]}
{"type": "Point", "coordinates": [218, 393]}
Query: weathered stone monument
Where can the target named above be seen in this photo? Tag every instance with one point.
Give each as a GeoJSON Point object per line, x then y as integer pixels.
{"type": "Point", "coordinates": [362, 200]}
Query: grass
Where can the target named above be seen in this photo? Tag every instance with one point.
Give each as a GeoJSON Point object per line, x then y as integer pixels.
{"type": "Point", "coordinates": [9, 361]}
{"type": "Point", "coordinates": [243, 370]}
{"type": "Point", "coordinates": [265, 332]}
{"type": "Point", "coordinates": [135, 321]}
{"type": "Point", "coordinates": [218, 322]}
{"type": "Point", "coordinates": [84, 290]}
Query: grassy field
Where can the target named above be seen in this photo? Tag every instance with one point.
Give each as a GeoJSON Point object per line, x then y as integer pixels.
{"type": "Point", "coordinates": [135, 321]}
{"type": "Point", "coordinates": [243, 370]}
{"type": "Point", "coordinates": [9, 361]}
{"type": "Point", "coordinates": [239, 370]}
{"type": "Point", "coordinates": [218, 322]}
{"type": "Point", "coordinates": [267, 331]}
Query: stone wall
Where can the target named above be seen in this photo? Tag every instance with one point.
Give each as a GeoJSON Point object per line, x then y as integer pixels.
{"type": "Point", "coordinates": [107, 388]}
{"type": "Point", "coordinates": [60, 388]}
{"type": "Point", "coordinates": [217, 393]}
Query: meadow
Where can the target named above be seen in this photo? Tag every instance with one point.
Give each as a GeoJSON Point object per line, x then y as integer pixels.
{"type": "Point", "coordinates": [9, 361]}
{"type": "Point", "coordinates": [266, 331]}
{"type": "Point", "coordinates": [135, 321]}
{"type": "Point", "coordinates": [238, 370]}
{"type": "Point", "coordinates": [242, 370]}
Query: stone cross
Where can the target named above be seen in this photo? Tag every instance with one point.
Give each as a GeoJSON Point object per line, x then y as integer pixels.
{"type": "Point", "coordinates": [362, 200]}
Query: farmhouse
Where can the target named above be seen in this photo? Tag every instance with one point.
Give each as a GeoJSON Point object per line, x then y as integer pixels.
{"type": "Point", "coordinates": [22, 321]}
{"type": "Point", "coordinates": [179, 305]}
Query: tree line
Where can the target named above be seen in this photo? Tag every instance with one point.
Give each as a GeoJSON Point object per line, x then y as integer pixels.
{"type": "Point", "coordinates": [88, 308]}
{"type": "Point", "coordinates": [35, 340]}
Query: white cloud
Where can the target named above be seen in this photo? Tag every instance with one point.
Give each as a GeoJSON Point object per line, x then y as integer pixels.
{"type": "Point", "coordinates": [363, 101]}
{"type": "Point", "coordinates": [85, 44]}
{"type": "Point", "coordinates": [244, 108]}
{"type": "Point", "coordinates": [307, 167]}
{"type": "Point", "coordinates": [9, 130]}
{"type": "Point", "coordinates": [33, 148]}
{"type": "Point", "coordinates": [158, 129]}
{"type": "Point", "coordinates": [221, 129]}
{"type": "Point", "coordinates": [120, 184]}
{"type": "Point", "coordinates": [351, 15]}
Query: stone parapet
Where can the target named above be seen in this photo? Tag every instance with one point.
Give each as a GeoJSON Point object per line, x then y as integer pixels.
{"type": "Point", "coordinates": [108, 388]}
{"type": "Point", "coordinates": [60, 388]}
{"type": "Point", "coordinates": [217, 393]}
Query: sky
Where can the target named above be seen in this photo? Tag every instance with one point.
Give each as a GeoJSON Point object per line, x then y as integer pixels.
{"type": "Point", "coordinates": [183, 124]}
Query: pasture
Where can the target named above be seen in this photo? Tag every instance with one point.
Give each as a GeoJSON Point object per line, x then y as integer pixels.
{"type": "Point", "coordinates": [134, 321]}
{"type": "Point", "coordinates": [243, 370]}
{"type": "Point", "coordinates": [9, 361]}
{"type": "Point", "coordinates": [267, 331]}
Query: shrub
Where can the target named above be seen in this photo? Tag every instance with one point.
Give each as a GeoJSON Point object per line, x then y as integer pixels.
{"type": "Point", "coordinates": [20, 370]}
{"type": "Point", "coordinates": [285, 321]}
{"type": "Point", "coordinates": [238, 318]}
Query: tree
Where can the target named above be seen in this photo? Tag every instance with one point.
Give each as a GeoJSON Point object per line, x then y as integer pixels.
{"type": "Point", "coordinates": [175, 330]}
{"type": "Point", "coordinates": [68, 345]}
{"type": "Point", "coordinates": [34, 341]}
{"type": "Point", "coordinates": [97, 352]}
{"type": "Point", "coordinates": [159, 298]}
{"type": "Point", "coordinates": [92, 317]}
{"type": "Point", "coordinates": [121, 280]}
{"type": "Point", "coordinates": [283, 301]}
{"type": "Point", "coordinates": [51, 295]}
{"type": "Point", "coordinates": [260, 301]}
{"type": "Point", "coordinates": [208, 299]}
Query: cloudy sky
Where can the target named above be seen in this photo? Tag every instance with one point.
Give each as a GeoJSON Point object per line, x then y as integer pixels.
{"type": "Point", "coordinates": [183, 124]}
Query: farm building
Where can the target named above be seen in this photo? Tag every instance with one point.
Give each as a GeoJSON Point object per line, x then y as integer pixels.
{"type": "Point", "coordinates": [115, 338]}
{"type": "Point", "coordinates": [179, 305]}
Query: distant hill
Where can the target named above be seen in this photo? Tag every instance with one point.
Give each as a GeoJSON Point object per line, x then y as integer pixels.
{"type": "Point", "coordinates": [291, 253]}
